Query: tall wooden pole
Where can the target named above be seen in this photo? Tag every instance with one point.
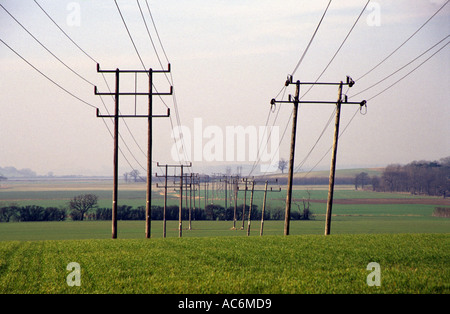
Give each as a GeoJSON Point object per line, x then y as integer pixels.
{"type": "Point", "coordinates": [181, 204]}
{"type": "Point", "coordinates": [226, 204]}
{"type": "Point", "coordinates": [250, 209]}
{"type": "Point", "coordinates": [116, 158]}
{"type": "Point", "coordinates": [287, 215]}
{"type": "Point", "coordinates": [333, 163]}
{"type": "Point", "coordinates": [263, 210]}
{"type": "Point", "coordinates": [245, 205]}
{"type": "Point", "coordinates": [236, 187]}
{"type": "Point", "coordinates": [148, 203]}
{"type": "Point", "coordinates": [165, 204]}
{"type": "Point", "coordinates": [190, 202]}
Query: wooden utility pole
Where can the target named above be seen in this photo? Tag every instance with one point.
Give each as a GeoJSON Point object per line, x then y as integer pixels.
{"type": "Point", "coordinates": [190, 202]}
{"type": "Point", "coordinates": [116, 158]}
{"type": "Point", "coordinates": [287, 214]}
{"type": "Point", "coordinates": [181, 176]}
{"type": "Point", "coordinates": [180, 210]}
{"type": "Point", "coordinates": [165, 203]}
{"type": "Point", "coordinates": [236, 189]}
{"type": "Point", "coordinates": [250, 209]}
{"type": "Point", "coordinates": [333, 163]}
{"type": "Point", "coordinates": [245, 201]}
{"type": "Point", "coordinates": [296, 101]}
{"type": "Point", "coordinates": [263, 210]}
{"type": "Point", "coordinates": [263, 206]}
{"type": "Point", "coordinates": [165, 197]}
{"type": "Point", "coordinates": [116, 117]}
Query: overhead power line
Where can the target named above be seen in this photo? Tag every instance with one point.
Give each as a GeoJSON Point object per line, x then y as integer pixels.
{"type": "Point", "coordinates": [89, 56]}
{"type": "Point", "coordinates": [43, 46]}
{"type": "Point", "coordinates": [402, 44]}
{"type": "Point", "coordinates": [401, 68]}
{"type": "Point", "coordinates": [340, 47]}
{"type": "Point", "coordinates": [409, 73]}
{"type": "Point", "coordinates": [311, 40]}
{"type": "Point", "coordinates": [101, 98]}
{"type": "Point", "coordinates": [284, 89]}
{"type": "Point", "coordinates": [167, 75]}
{"type": "Point", "coordinates": [48, 78]}
{"type": "Point", "coordinates": [321, 74]}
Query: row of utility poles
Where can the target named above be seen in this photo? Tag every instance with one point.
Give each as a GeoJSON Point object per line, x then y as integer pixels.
{"type": "Point", "coordinates": [191, 183]}
{"type": "Point", "coordinates": [228, 181]}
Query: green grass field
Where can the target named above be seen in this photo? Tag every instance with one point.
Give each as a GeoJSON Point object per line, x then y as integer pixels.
{"type": "Point", "coordinates": [416, 263]}
{"type": "Point", "coordinates": [397, 231]}
{"type": "Point", "coordinates": [73, 230]}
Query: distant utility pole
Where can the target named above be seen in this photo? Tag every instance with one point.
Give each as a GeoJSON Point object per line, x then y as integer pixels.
{"type": "Point", "coordinates": [263, 205]}
{"type": "Point", "coordinates": [236, 191]}
{"type": "Point", "coordinates": [296, 102]}
{"type": "Point", "coordinates": [116, 117]}
{"type": "Point", "coordinates": [250, 209]}
{"type": "Point", "coordinates": [181, 177]}
{"type": "Point", "coordinates": [165, 196]}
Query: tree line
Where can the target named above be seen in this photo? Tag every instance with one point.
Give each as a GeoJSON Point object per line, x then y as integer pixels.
{"type": "Point", "coordinates": [125, 212]}
{"type": "Point", "coordinates": [418, 177]}
{"type": "Point", "coordinates": [212, 212]}
{"type": "Point", "coordinates": [31, 213]}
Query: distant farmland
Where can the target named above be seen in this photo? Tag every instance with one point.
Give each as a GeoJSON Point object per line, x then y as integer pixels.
{"type": "Point", "coordinates": [396, 230]}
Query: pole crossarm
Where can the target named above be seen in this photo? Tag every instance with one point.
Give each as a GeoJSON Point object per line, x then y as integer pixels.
{"type": "Point", "coordinates": [134, 71]}
{"type": "Point", "coordinates": [361, 103]}
{"type": "Point", "coordinates": [96, 92]}
{"type": "Point", "coordinates": [133, 115]}
{"type": "Point", "coordinates": [178, 165]}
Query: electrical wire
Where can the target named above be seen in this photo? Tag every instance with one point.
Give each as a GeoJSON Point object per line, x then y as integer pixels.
{"type": "Point", "coordinates": [283, 89]}
{"type": "Point", "coordinates": [321, 74]}
{"type": "Point", "coordinates": [402, 44]}
{"type": "Point", "coordinates": [48, 78]}
{"type": "Point", "coordinates": [175, 102]}
{"type": "Point", "coordinates": [339, 49]}
{"type": "Point", "coordinates": [409, 73]}
{"type": "Point", "coordinates": [101, 97]}
{"type": "Point", "coordinates": [317, 141]}
{"type": "Point", "coordinates": [390, 86]}
{"type": "Point", "coordinates": [311, 40]}
{"type": "Point", "coordinates": [401, 68]}
{"type": "Point", "coordinates": [43, 46]}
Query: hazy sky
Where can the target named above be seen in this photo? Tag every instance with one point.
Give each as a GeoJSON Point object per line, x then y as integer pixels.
{"type": "Point", "coordinates": [229, 59]}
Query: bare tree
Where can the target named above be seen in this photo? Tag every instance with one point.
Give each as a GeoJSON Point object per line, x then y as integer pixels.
{"type": "Point", "coordinates": [134, 174]}
{"type": "Point", "coordinates": [282, 164]}
{"type": "Point", "coordinates": [306, 214]}
{"type": "Point", "coordinates": [81, 204]}
{"type": "Point", "coordinates": [361, 178]}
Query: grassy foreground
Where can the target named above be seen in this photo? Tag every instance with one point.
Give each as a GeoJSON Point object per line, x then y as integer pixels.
{"type": "Point", "coordinates": [410, 263]}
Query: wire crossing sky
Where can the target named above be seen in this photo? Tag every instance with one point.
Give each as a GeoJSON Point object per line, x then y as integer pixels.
{"type": "Point", "coordinates": [228, 60]}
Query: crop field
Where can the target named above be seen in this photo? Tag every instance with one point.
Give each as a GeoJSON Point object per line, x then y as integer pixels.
{"type": "Point", "coordinates": [397, 231]}
{"type": "Point", "coordinates": [417, 263]}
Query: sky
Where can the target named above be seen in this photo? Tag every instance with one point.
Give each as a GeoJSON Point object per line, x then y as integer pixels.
{"type": "Point", "coordinates": [228, 60]}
